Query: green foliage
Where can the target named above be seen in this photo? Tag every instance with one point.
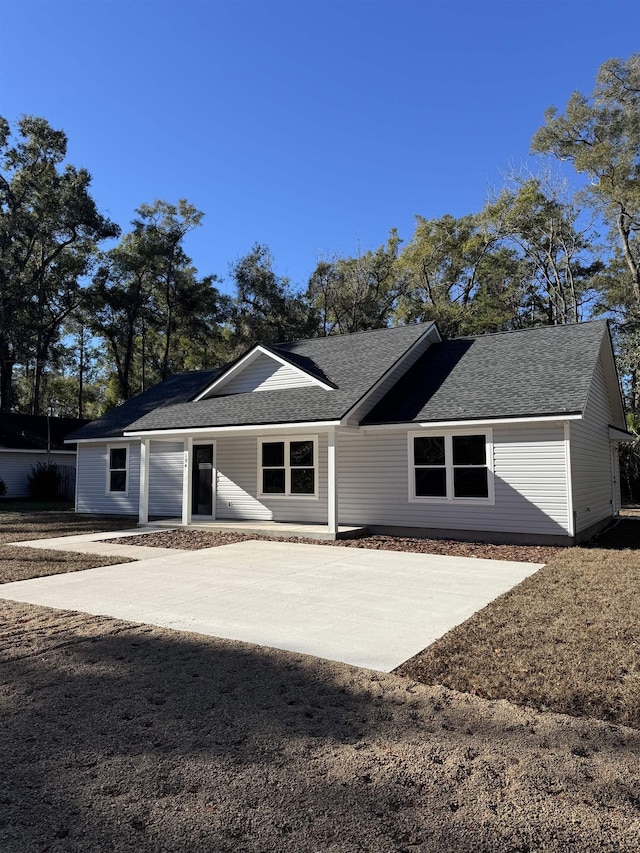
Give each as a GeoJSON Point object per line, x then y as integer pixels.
{"type": "Point", "coordinates": [530, 256]}
{"type": "Point", "coordinates": [359, 293]}
{"type": "Point", "coordinates": [49, 230]}
{"type": "Point", "coordinates": [440, 270]}
{"type": "Point", "coordinates": [558, 261]}
{"type": "Point", "coordinates": [265, 308]}
{"type": "Point", "coordinates": [600, 136]}
{"type": "Point", "coordinates": [148, 304]}
{"type": "Point", "coordinates": [44, 482]}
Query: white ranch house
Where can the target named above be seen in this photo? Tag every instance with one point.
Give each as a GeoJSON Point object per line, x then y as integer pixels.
{"type": "Point", "coordinates": [506, 437]}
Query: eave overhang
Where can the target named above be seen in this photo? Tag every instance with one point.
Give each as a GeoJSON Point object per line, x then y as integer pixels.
{"type": "Point", "coordinates": [619, 435]}
{"type": "Point", "coordinates": [469, 422]}
{"type": "Point", "coordinates": [230, 429]}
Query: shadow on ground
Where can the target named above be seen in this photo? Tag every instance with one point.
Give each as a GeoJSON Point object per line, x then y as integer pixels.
{"type": "Point", "coordinates": [120, 737]}
{"type": "Point", "coordinates": [622, 536]}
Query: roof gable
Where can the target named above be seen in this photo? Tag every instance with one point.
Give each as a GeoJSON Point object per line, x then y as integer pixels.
{"type": "Point", "coordinates": [261, 369]}
{"type": "Point", "coordinates": [348, 367]}
{"type": "Point", "coordinates": [608, 362]}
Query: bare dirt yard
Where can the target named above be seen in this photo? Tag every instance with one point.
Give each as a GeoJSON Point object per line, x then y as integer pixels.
{"type": "Point", "coordinates": [195, 539]}
{"type": "Point", "coordinates": [122, 737]}
{"type": "Point", "coordinates": [17, 564]}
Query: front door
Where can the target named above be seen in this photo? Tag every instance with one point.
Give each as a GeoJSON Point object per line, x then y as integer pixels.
{"type": "Point", "coordinates": [202, 479]}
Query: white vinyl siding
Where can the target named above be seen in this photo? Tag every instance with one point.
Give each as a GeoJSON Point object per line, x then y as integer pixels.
{"type": "Point", "coordinates": [264, 374]}
{"type": "Point", "coordinates": [166, 464]}
{"type": "Point", "coordinates": [15, 468]}
{"type": "Point", "coordinates": [529, 483]}
{"type": "Point", "coordinates": [92, 464]}
{"type": "Point", "coordinates": [591, 457]}
{"type": "Point", "coordinates": [237, 482]}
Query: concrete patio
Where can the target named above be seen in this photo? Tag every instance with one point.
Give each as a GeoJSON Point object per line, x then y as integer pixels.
{"type": "Point", "coordinates": [369, 608]}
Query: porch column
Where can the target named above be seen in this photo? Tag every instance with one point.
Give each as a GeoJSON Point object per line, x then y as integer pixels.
{"type": "Point", "coordinates": [143, 503]}
{"type": "Point", "coordinates": [332, 483]}
{"type": "Point", "coordinates": [186, 481]}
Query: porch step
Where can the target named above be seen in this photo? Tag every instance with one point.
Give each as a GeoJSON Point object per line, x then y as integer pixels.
{"type": "Point", "coordinates": [274, 529]}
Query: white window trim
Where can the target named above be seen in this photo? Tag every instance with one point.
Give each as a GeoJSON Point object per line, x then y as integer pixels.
{"type": "Point", "coordinates": [448, 456]}
{"type": "Point", "coordinates": [127, 448]}
{"type": "Point", "coordinates": [287, 494]}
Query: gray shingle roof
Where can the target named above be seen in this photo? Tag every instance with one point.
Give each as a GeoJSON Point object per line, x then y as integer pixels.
{"type": "Point", "coordinates": [353, 363]}
{"type": "Point", "coordinates": [176, 389]}
{"type": "Point", "coordinates": [36, 432]}
{"type": "Point", "coordinates": [533, 372]}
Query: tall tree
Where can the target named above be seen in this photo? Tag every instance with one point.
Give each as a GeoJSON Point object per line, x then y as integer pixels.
{"type": "Point", "coordinates": [265, 308]}
{"type": "Point", "coordinates": [118, 305]}
{"type": "Point", "coordinates": [600, 136]}
{"type": "Point", "coordinates": [441, 266]}
{"type": "Point", "coordinates": [49, 231]}
{"type": "Point", "coordinates": [358, 293]}
{"type": "Point", "coordinates": [559, 261]}
{"type": "Point", "coordinates": [174, 288]}
{"type": "Point", "coordinates": [146, 298]}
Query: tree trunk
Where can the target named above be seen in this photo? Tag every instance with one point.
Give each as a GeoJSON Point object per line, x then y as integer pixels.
{"type": "Point", "coordinates": [37, 382]}
{"type": "Point", "coordinates": [81, 373]}
{"type": "Point", "coordinates": [624, 231]}
{"type": "Point", "coordinates": [6, 381]}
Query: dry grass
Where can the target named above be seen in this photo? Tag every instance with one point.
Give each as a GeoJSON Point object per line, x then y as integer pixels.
{"type": "Point", "coordinates": [567, 639]}
{"type": "Point", "coordinates": [136, 738]}
{"type": "Point", "coordinates": [18, 564]}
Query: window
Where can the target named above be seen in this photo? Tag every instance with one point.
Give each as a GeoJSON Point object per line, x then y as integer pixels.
{"type": "Point", "coordinates": [117, 470]}
{"type": "Point", "coordinates": [470, 475]}
{"type": "Point", "coordinates": [288, 467]}
{"type": "Point", "coordinates": [450, 467]}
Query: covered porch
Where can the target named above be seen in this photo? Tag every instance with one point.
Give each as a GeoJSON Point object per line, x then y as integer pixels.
{"type": "Point", "coordinates": [267, 481]}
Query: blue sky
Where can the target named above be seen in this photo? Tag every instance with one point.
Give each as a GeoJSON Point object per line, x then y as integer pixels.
{"type": "Point", "coordinates": [314, 126]}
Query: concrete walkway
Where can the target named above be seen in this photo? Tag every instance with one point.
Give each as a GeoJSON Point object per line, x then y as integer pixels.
{"type": "Point", "coordinates": [92, 543]}
{"type": "Point", "coordinates": [369, 608]}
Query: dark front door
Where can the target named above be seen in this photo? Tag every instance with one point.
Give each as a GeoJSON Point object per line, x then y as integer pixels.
{"type": "Point", "coordinates": [202, 479]}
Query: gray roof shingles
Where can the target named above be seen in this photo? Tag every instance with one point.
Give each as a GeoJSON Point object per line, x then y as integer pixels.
{"type": "Point", "coordinates": [176, 389]}
{"type": "Point", "coordinates": [542, 371]}
{"type": "Point", "coordinates": [533, 372]}
{"type": "Point", "coordinates": [353, 363]}
{"type": "Point", "coordinates": [36, 432]}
